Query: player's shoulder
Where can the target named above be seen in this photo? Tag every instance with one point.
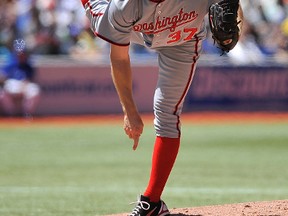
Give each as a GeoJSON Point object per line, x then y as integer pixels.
{"type": "Point", "coordinates": [128, 10]}
{"type": "Point", "coordinates": [124, 4]}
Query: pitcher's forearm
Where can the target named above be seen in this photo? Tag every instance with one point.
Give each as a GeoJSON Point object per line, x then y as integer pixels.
{"type": "Point", "coordinates": [122, 78]}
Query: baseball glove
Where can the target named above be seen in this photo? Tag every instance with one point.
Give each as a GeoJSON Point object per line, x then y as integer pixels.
{"type": "Point", "coordinates": [224, 24]}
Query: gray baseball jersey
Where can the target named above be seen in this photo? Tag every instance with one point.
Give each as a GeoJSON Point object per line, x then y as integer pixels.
{"type": "Point", "coordinates": [174, 28]}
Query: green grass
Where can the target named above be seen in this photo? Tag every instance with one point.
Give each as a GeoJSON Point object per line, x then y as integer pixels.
{"type": "Point", "coordinates": [77, 170]}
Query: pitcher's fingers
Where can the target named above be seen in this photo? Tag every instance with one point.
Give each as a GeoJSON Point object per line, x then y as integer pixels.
{"type": "Point", "coordinates": [128, 132]}
{"type": "Point", "coordinates": [136, 141]}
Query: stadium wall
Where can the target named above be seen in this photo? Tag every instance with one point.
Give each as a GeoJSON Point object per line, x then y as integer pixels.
{"type": "Point", "coordinates": [81, 89]}
{"type": "Point", "coordinates": [90, 90]}
{"type": "Point", "coordinates": [244, 88]}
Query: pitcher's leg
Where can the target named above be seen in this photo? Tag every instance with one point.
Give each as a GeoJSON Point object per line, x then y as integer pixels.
{"type": "Point", "coordinates": [174, 80]}
{"type": "Point", "coordinates": [175, 77]}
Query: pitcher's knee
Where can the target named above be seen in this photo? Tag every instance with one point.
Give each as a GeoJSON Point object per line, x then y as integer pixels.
{"type": "Point", "coordinates": [167, 125]}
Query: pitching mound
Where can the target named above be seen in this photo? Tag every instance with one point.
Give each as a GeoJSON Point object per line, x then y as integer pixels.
{"type": "Point", "coordinates": [269, 208]}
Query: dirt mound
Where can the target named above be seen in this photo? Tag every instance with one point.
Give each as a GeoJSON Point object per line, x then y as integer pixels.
{"type": "Point", "coordinates": [268, 208]}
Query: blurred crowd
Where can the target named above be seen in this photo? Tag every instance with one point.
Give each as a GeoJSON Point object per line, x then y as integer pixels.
{"type": "Point", "coordinates": [49, 27]}
{"type": "Point", "coordinates": [58, 27]}
{"type": "Point", "coordinates": [265, 31]}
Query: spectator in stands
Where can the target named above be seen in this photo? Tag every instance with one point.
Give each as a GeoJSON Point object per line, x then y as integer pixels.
{"type": "Point", "coordinates": [8, 17]}
{"type": "Point", "coordinates": [283, 48]}
{"type": "Point", "coordinates": [262, 36]}
{"type": "Point", "coordinates": [247, 50]}
{"type": "Point", "coordinates": [17, 80]}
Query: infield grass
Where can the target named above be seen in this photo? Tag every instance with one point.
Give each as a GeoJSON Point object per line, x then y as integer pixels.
{"type": "Point", "coordinates": [90, 169]}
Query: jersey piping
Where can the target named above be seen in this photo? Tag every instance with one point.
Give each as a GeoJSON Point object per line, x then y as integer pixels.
{"type": "Point", "coordinates": [196, 47]}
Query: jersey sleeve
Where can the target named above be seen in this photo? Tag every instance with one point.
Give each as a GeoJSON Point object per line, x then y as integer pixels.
{"type": "Point", "coordinates": [115, 23]}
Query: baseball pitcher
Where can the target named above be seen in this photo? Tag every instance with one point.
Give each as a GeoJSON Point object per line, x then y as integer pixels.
{"type": "Point", "coordinates": [175, 29]}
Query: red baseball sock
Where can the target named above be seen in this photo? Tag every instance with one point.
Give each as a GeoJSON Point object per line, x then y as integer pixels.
{"type": "Point", "coordinates": [164, 156]}
{"type": "Point", "coordinates": [84, 2]}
